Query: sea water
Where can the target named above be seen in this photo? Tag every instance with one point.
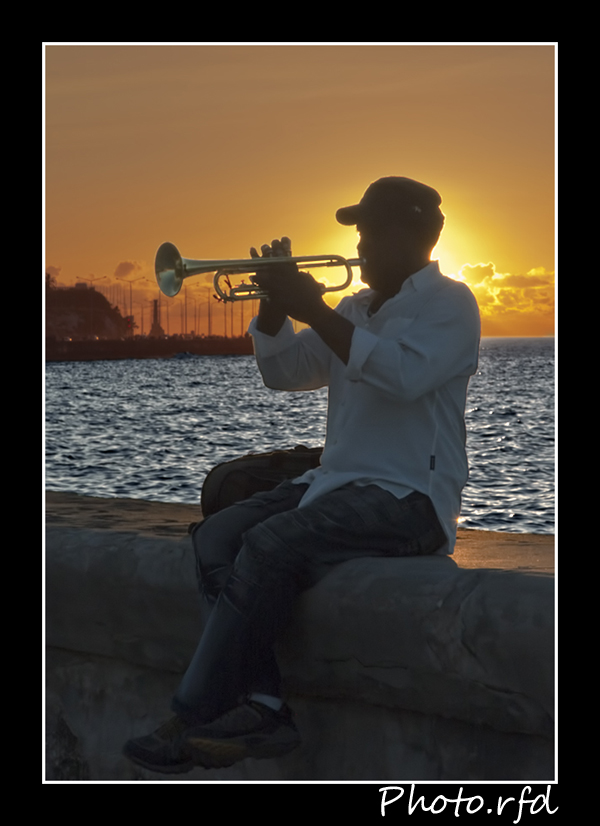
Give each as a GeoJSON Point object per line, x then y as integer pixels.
{"type": "Point", "coordinates": [152, 429]}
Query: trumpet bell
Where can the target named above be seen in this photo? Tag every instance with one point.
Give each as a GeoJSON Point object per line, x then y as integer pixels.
{"type": "Point", "coordinates": [169, 269]}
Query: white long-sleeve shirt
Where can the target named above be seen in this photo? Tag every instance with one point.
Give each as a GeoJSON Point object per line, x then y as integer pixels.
{"type": "Point", "coordinates": [396, 410]}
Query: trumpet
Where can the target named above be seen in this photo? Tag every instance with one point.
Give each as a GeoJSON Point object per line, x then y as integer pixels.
{"type": "Point", "coordinates": [171, 270]}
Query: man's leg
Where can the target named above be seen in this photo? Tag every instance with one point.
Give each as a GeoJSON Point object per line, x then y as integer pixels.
{"type": "Point", "coordinates": [217, 541]}
{"type": "Point", "coordinates": [281, 557]}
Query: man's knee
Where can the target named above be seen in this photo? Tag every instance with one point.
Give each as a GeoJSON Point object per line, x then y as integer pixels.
{"type": "Point", "coordinates": [219, 538]}
{"type": "Point", "coordinates": [271, 559]}
{"type": "Point", "coordinates": [215, 548]}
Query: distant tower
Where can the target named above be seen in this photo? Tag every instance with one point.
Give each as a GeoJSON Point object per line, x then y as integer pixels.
{"type": "Point", "coordinates": [156, 331]}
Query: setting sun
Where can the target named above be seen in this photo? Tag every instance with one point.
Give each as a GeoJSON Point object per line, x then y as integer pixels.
{"type": "Point", "coordinates": [256, 142]}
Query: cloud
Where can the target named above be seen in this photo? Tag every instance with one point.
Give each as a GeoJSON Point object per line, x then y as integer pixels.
{"type": "Point", "coordinates": [509, 297]}
{"type": "Point", "coordinates": [124, 268]}
{"type": "Point", "coordinates": [475, 274]}
{"type": "Point", "coordinates": [532, 291]}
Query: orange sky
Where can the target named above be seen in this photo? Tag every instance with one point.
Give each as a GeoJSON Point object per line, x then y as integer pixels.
{"type": "Point", "coordinates": [221, 147]}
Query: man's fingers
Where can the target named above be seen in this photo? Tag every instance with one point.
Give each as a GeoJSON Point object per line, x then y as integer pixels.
{"type": "Point", "coordinates": [277, 249]}
{"type": "Point", "coordinates": [281, 248]}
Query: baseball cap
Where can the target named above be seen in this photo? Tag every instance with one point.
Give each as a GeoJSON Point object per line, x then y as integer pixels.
{"type": "Point", "coordinates": [395, 199]}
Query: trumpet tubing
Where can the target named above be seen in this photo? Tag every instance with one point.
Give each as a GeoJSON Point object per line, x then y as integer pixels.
{"type": "Point", "coordinates": [171, 270]}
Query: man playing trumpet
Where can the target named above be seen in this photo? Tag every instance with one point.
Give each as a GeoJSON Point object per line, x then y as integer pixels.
{"type": "Point", "coordinates": [396, 357]}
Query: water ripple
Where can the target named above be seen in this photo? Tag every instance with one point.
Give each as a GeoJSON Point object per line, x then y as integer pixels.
{"type": "Point", "coordinates": [152, 429]}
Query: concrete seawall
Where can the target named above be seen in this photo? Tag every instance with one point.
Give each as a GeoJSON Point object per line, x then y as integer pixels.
{"type": "Point", "coordinates": [402, 670]}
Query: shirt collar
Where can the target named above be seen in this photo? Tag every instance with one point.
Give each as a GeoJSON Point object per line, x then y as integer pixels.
{"type": "Point", "coordinates": [414, 283]}
{"type": "Point", "coordinates": [422, 278]}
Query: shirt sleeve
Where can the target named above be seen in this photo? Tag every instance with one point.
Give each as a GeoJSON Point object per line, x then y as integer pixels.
{"type": "Point", "coordinates": [440, 342]}
{"type": "Point", "coordinates": [289, 360]}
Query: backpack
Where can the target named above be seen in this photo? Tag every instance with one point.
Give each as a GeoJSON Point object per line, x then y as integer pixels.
{"type": "Point", "coordinates": [232, 481]}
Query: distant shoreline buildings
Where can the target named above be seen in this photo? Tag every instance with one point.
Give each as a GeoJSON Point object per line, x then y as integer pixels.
{"type": "Point", "coordinates": [81, 324]}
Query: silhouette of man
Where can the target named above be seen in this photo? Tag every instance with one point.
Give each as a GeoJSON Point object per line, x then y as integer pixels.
{"type": "Point", "coordinates": [396, 357]}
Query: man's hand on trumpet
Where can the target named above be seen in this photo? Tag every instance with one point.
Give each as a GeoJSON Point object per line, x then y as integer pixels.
{"type": "Point", "coordinates": [291, 293]}
{"type": "Point", "coordinates": [298, 295]}
{"type": "Point", "coordinates": [278, 249]}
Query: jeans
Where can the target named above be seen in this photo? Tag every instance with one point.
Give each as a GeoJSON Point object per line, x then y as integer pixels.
{"type": "Point", "coordinates": [255, 557]}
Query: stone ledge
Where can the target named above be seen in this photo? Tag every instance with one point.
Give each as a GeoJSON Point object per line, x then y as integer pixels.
{"type": "Point", "coordinates": [474, 549]}
{"type": "Point", "coordinates": [414, 645]}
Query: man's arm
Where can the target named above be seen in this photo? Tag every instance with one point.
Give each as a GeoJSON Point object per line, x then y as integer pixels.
{"type": "Point", "coordinates": [270, 318]}
{"type": "Point", "coordinates": [335, 330]}
{"type": "Point", "coordinates": [297, 295]}
{"type": "Point", "coordinates": [435, 344]}
{"type": "Point", "coordinates": [301, 302]}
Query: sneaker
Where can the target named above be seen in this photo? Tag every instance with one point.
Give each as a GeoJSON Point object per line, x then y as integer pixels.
{"type": "Point", "coordinates": [162, 751]}
{"type": "Point", "coordinates": [249, 730]}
